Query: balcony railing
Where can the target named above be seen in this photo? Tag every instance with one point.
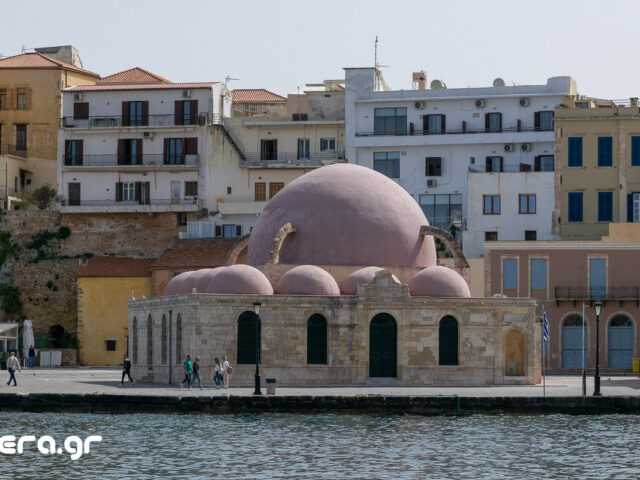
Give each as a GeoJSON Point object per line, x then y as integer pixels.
{"type": "Point", "coordinates": [158, 120]}
{"type": "Point", "coordinates": [125, 160]}
{"type": "Point", "coordinates": [464, 130]}
{"type": "Point", "coordinates": [522, 167]}
{"type": "Point", "coordinates": [258, 159]}
{"type": "Point", "coordinates": [17, 150]}
{"type": "Point", "coordinates": [597, 293]}
{"type": "Point", "coordinates": [128, 203]}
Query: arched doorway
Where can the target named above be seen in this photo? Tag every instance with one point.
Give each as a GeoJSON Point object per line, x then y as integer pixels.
{"type": "Point", "coordinates": [316, 339]}
{"type": "Point", "coordinates": [448, 341]}
{"type": "Point", "coordinates": [572, 346]}
{"type": "Point", "coordinates": [514, 353]}
{"type": "Point", "coordinates": [383, 346]}
{"type": "Point", "coordinates": [620, 342]}
{"type": "Point", "coordinates": [248, 338]}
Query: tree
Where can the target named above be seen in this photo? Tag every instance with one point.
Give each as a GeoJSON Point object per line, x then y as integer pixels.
{"type": "Point", "coordinates": [44, 196]}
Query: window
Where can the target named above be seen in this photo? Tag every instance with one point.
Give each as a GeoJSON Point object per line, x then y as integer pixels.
{"type": "Point", "coordinates": [387, 163]}
{"type": "Point", "coordinates": [575, 206]}
{"type": "Point", "coordinates": [494, 164]}
{"type": "Point", "coordinates": [442, 209]}
{"type": "Point", "coordinates": [138, 192]}
{"type": "Point", "coordinates": [173, 153]}
{"type": "Point", "coordinates": [530, 235]}
{"type": "Point", "coordinates": [3, 99]}
{"type": "Point", "coordinates": [130, 151]}
{"type": "Point", "coordinates": [303, 148]}
{"type": "Point", "coordinates": [73, 152]}
{"type": "Point", "coordinates": [605, 151]}
{"type": "Point", "coordinates": [181, 218]}
{"type": "Point", "coordinates": [268, 149]}
{"type": "Point", "coordinates": [434, 124]}
{"type": "Point", "coordinates": [605, 206]}
{"type": "Point", "coordinates": [21, 137]}
{"type": "Point", "coordinates": [543, 120]}
{"type": "Point", "coordinates": [317, 340]}
{"type": "Point", "coordinates": [527, 203]}
{"type": "Point", "coordinates": [509, 274]}
{"type": "Point", "coordinates": [110, 345]}
{"type": "Point", "coordinates": [135, 114]}
{"type": "Point", "coordinates": [186, 112]}
{"type": "Point", "coordinates": [128, 191]}
{"type": "Point", "coordinates": [490, 236]}
{"type": "Point", "coordinates": [248, 338]}
{"type": "Point", "coordinates": [491, 204]}
{"type": "Point", "coordinates": [228, 190]}
{"type": "Point", "coordinates": [21, 98]}
{"type": "Point", "coordinates": [231, 231]}
{"type": "Point", "coordinates": [299, 117]}
{"type": "Point", "coordinates": [448, 341]}
{"type": "Point", "coordinates": [635, 150]}
{"type": "Point", "coordinates": [543, 163]}
{"type": "Point", "coordinates": [260, 190]}
{"type": "Point", "coordinates": [73, 191]}
{"type": "Point", "coordinates": [81, 111]}
{"type": "Point", "coordinates": [275, 187]}
{"type": "Point", "coordinates": [633, 207]}
{"type": "Point", "coordinates": [190, 189]}
{"type": "Point", "coordinates": [598, 277]}
{"type": "Point", "coordinates": [575, 151]}
{"type": "Point", "coordinates": [390, 121]}
{"type": "Point", "coordinates": [175, 192]}
{"type": "Point", "coordinates": [327, 144]}
{"type": "Point", "coordinates": [538, 274]}
{"type": "Point", "coordinates": [433, 166]}
{"type": "Point", "coordinates": [493, 122]}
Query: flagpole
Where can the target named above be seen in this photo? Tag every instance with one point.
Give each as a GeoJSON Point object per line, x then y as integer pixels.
{"type": "Point", "coordinates": [584, 372]}
{"type": "Point", "coordinates": [544, 381]}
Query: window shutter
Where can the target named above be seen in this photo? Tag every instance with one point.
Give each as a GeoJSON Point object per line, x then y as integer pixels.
{"type": "Point", "coordinates": [500, 119]}
{"type": "Point", "coordinates": [218, 230]}
{"type": "Point", "coordinates": [166, 150]}
{"type": "Point", "coordinates": [425, 124]}
{"type": "Point", "coordinates": [145, 113]}
{"type": "Point", "coordinates": [536, 121]}
{"type": "Point", "coordinates": [125, 114]}
{"type": "Point", "coordinates": [138, 191]}
{"type": "Point", "coordinates": [79, 145]}
{"type": "Point", "coordinates": [238, 230]}
{"type": "Point", "coordinates": [519, 125]}
{"type": "Point", "coordinates": [121, 151]}
{"type": "Point", "coordinates": [80, 111]}
{"type": "Point", "coordinates": [488, 165]}
{"type": "Point", "coordinates": [501, 164]}
{"type": "Point", "coordinates": [138, 159]}
{"type": "Point", "coordinates": [119, 192]}
{"type": "Point", "coordinates": [629, 207]}
{"type": "Point", "coordinates": [275, 149]}
{"type": "Point", "coordinates": [486, 122]}
{"type": "Point", "coordinates": [191, 146]}
{"type": "Point", "coordinates": [444, 123]}
{"type": "Point", "coordinates": [411, 128]}
{"type": "Point", "coordinates": [67, 151]}
{"type": "Point", "coordinates": [179, 112]}
{"type": "Point", "coordinates": [147, 190]}
{"type": "Point", "coordinates": [536, 163]}
{"type": "Point", "coordinates": [194, 112]}
{"type": "Point", "coordinates": [464, 127]}
{"type": "Point", "coordinates": [29, 93]}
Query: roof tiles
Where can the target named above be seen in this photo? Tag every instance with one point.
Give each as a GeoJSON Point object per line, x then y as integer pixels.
{"type": "Point", "coordinates": [194, 254]}
{"type": "Point", "coordinates": [135, 75]}
{"type": "Point", "coordinates": [38, 60]}
{"type": "Point", "coordinates": [116, 267]}
{"type": "Point", "coordinates": [256, 95]}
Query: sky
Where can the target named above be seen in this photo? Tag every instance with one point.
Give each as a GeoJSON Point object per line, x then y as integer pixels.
{"type": "Point", "coordinates": [283, 44]}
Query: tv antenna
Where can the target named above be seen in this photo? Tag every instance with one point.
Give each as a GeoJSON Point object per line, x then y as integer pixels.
{"type": "Point", "coordinates": [227, 79]}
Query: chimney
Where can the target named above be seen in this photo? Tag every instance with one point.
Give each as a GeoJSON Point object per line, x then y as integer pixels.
{"type": "Point", "coordinates": [633, 102]}
{"type": "Point", "coordinates": [419, 80]}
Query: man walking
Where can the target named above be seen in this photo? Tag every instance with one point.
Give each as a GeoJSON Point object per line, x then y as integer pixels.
{"type": "Point", "coordinates": [187, 372]}
{"type": "Point", "coordinates": [126, 371]}
{"type": "Point", "coordinates": [195, 373]}
{"type": "Point", "coordinates": [12, 365]}
{"type": "Point", "coordinates": [32, 356]}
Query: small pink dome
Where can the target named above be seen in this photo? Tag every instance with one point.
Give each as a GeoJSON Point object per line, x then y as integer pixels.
{"type": "Point", "coordinates": [239, 279]}
{"type": "Point", "coordinates": [200, 279]}
{"type": "Point", "coordinates": [179, 285]}
{"type": "Point", "coordinates": [438, 281]}
{"type": "Point", "coordinates": [307, 280]}
{"type": "Point", "coordinates": [349, 285]}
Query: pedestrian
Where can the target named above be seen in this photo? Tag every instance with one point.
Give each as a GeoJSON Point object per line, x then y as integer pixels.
{"type": "Point", "coordinates": [196, 373]}
{"type": "Point", "coordinates": [187, 371]}
{"type": "Point", "coordinates": [217, 376]}
{"type": "Point", "coordinates": [226, 371]}
{"type": "Point", "coordinates": [126, 370]}
{"type": "Point", "coordinates": [32, 356]}
{"type": "Point", "coordinates": [12, 365]}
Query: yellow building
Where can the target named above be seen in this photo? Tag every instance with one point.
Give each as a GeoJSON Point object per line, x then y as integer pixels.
{"type": "Point", "coordinates": [30, 111]}
{"type": "Point", "coordinates": [105, 286]}
{"type": "Point", "coordinates": [597, 178]}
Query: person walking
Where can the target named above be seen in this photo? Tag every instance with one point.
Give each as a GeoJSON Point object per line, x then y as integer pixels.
{"type": "Point", "coordinates": [217, 376]}
{"type": "Point", "coordinates": [12, 365]}
{"type": "Point", "coordinates": [126, 371]}
{"type": "Point", "coordinates": [32, 356]}
{"type": "Point", "coordinates": [195, 373]}
{"type": "Point", "coordinates": [226, 371]}
{"type": "Point", "coordinates": [187, 371]}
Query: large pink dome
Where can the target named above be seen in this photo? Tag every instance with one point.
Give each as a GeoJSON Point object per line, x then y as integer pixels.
{"type": "Point", "coordinates": [344, 215]}
{"type": "Point", "coordinates": [200, 279]}
{"type": "Point", "coordinates": [179, 285]}
{"type": "Point", "coordinates": [438, 281]}
{"type": "Point", "coordinates": [239, 279]}
{"type": "Point", "coordinates": [307, 280]}
{"type": "Point", "coordinates": [349, 286]}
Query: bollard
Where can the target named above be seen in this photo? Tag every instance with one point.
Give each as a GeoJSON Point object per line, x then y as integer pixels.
{"type": "Point", "coordinates": [271, 386]}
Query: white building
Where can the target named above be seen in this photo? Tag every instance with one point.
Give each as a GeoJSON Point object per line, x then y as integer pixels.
{"type": "Point", "coordinates": [136, 142]}
{"type": "Point", "coordinates": [429, 139]}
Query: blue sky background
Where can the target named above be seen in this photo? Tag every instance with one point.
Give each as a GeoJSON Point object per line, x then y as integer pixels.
{"type": "Point", "coordinates": [280, 45]}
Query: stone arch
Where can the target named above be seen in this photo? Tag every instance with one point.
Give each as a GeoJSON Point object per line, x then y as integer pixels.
{"type": "Point", "coordinates": [459, 260]}
{"type": "Point", "coordinates": [278, 240]}
{"type": "Point", "coordinates": [620, 341]}
{"type": "Point", "coordinates": [237, 249]}
{"type": "Point", "coordinates": [249, 341]}
{"type": "Point", "coordinates": [317, 339]}
{"type": "Point", "coordinates": [514, 353]}
{"type": "Point", "coordinates": [383, 346]}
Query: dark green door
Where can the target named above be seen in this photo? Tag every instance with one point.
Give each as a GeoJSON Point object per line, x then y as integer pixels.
{"type": "Point", "coordinates": [383, 346]}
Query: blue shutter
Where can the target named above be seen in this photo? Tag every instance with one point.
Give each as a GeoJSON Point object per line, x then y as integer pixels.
{"type": "Point", "coordinates": [605, 152]}
{"type": "Point", "coordinates": [605, 206]}
{"type": "Point", "coordinates": [597, 276]}
{"type": "Point", "coordinates": [509, 274]}
{"type": "Point", "coordinates": [575, 151]}
{"type": "Point", "coordinates": [635, 151]}
{"type": "Point", "coordinates": [538, 274]}
{"type": "Point", "coordinates": [575, 206]}
{"type": "Point", "coordinates": [630, 206]}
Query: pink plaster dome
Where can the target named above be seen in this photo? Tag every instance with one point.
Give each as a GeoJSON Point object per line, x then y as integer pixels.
{"type": "Point", "coordinates": [179, 285]}
{"type": "Point", "coordinates": [307, 280]}
{"type": "Point", "coordinates": [349, 285]}
{"type": "Point", "coordinates": [438, 281]}
{"type": "Point", "coordinates": [344, 214]}
{"type": "Point", "coordinates": [239, 279]}
{"type": "Point", "coordinates": [200, 279]}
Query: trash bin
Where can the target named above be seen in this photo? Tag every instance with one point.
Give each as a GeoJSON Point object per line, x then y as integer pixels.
{"type": "Point", "coordinates": [271, 386]}
{"type": "Point", "coordinates": [636, 365]}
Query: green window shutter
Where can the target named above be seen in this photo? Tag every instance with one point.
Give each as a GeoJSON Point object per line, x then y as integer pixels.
{"type": "Point", "coordinates": [448, 341]}
{"type": "Point", "coordinates": [317, 340]}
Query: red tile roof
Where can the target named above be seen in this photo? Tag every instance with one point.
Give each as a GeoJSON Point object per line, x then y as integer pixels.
{"type": "Point", "coordinates": [38, 60]}
{"type": "Point", "coordinates": [135, 75]}
{"type": "Point", "coordinates": [256, 95]}
{"type": "Point", "coordinates": [116, 267]}
{"type": "Point", "coordinates": [194, 254]}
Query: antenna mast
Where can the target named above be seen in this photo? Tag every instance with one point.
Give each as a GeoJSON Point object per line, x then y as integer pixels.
{"type": "Point", "coordinates": [375, 54]}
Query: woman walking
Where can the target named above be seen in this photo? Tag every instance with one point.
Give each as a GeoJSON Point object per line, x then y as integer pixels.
{"type": "Point", "coordinates": [187, 371]}
{"type": "Point", "coordinates": [217, 376]}
{"type": "Point", "coordinates": [226, 371]}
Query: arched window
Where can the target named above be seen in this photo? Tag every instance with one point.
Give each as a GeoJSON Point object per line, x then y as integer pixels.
{"type": "Point", "coordinates": [150, 342]}
{"type": "Point", "coordinates": [317, 340]}
{"type": "Point", "coordinates": [621, 342]}
{"type": "Point", "coordinates": [383, 346]}
{"type": "Point", "coordinates": [134, 341]}
{"type": "Point", "coordinates": [448, 341]}
{"type": "Point", "coordinates": [179, 358]}
{"type": "Point", "coordinates": [248, 338]}
{"type": "Point", "coordinates": [163, 340]}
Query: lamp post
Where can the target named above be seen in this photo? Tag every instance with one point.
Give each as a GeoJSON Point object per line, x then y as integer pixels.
{"type": "Point", "coordinates": [596, 380]}
{"type": "Point", "coordinates": [170, 356]}
{"type": "Point", "coordinates": [256, 309]}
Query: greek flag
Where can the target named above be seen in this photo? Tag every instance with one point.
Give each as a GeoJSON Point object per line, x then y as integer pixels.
{"type": "Point", "coordinates": [545, 326]}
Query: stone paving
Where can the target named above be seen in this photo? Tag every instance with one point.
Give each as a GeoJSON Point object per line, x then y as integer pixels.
{"type": "Point", "coordinates": [106, 380]}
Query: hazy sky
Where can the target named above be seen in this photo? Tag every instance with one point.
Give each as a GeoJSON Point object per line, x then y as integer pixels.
{"type": "Point", "coordinates": [280, 45]}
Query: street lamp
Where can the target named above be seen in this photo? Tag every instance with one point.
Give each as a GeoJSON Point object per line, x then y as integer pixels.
{"type": "Point", "coordinates": [596, 381]}
{"type": "Point", "coordinates": [256, 309]}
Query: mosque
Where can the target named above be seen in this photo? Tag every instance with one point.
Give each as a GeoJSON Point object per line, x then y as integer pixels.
{"type": "Point", "coordinates": [343, 265]}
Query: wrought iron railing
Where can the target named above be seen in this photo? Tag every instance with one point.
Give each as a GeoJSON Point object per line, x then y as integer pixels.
{"type": "Point", "coordinates": [17, 150]}
{"type": "Point", "coordinates": [131, 160]}
{"type": "Point", "coordinates": [420, 132]}
{"type": "Point", "coordinates": [256, 159]}
{"type": "Point", "coordinates": [597, 293]}
{"type": "Point", "coordinates": [126, 203]}
{"type": "Point", "coordinates": [155, 120]}
{"type": "Point", "coordinates": [522, 167]}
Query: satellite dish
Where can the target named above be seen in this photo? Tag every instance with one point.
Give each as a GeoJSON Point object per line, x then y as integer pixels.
{"type": "Point", "coordinates": [436, 85]}
{"type": "Point", "coordinates": [498, 82]}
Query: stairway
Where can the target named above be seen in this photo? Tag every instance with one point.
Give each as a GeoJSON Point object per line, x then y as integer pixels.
{"type": "Point", "coordinates": [234, 143]}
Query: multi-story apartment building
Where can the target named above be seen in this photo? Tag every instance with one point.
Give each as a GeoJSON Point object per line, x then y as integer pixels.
{"type": "Point", "coordinates": [136, 142]}
{"type": "Point", "coordinates": [269, 142]}
{"type": "Point", "coordinates": [598, 176]}
{"type": "Point", "coordinates": [461, 151]}
{"type": "Point", "coordinates": [30, 110]}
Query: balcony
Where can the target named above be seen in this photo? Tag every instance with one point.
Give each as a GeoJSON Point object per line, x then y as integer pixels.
{"type": "Point", "coordinates": [291, 159]}
{"type": "Point", "coordinates": [519, 168]}
{"type": "Point", "coordinates": [575, 294]}
{"type": "Point", "coordinates": [150, 206]}
{"type": "Point", "coordinates": [17, 150]}
{"type": "Point", "coordinates": [158, 120]}
{"type": "Point", "coordinates": [464, 130]}
{"type": "Point", "coordinates": [159, 160]}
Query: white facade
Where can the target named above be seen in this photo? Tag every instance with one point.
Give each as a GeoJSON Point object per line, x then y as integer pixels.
{"type": "Point", "coordinates": [431, 161]}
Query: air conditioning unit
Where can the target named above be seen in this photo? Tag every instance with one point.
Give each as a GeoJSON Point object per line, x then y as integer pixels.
{"type": "Point", "coordinates": [524, 102]}
{"type": "Point", "coordinates": [432, 182]}
{"type": "Point", "coordinates": [419, 105]}
{"type": "Point", "coordinates": [480, 103]}
{"type": "Point", "coordinates": [525, 147]}
{"type": "Point", "coordinates": [508, 147]}
{"type": "Point", "coordinates": [186, 93]}
{"type": "Point", "coordinates": [77, 97]}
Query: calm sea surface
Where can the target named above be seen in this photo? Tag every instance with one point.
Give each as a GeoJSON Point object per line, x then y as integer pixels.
{"type": "Point", "coordinates": [329, 446]}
